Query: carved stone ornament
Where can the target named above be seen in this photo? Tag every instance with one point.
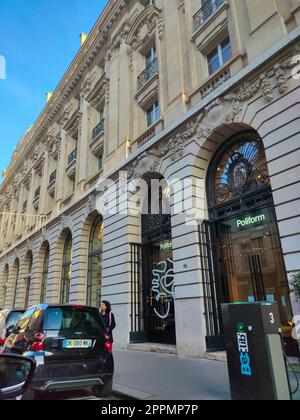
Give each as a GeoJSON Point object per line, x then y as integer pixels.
{"type": "Point", "coordinates": [91, 204]}
{"type": "Point", "coordinates": [87, 85]}
{"type": "Point", "coordinates": [144, 27]}
{"type": "Point", "coordinates": [64, 222]}
{"type": "Point", "coordinates": [29, 245]}
{"type": "Point", "coordinates": [151, 160]}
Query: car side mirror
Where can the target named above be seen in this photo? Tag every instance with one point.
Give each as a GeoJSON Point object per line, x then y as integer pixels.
{"type": "Point", "coordinates": [15, 375]}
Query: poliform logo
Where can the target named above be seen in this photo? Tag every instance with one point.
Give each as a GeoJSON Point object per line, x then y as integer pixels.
{"type": "Point", "coordinates": [250, 220]}
{"type": "Point", "coordinates": [2, 68]}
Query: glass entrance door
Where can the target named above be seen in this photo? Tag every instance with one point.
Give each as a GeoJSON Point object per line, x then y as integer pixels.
{"type": "Point", "coordinates": [158, 274]}
{"type": "Point", "coordinates": [251, 261]}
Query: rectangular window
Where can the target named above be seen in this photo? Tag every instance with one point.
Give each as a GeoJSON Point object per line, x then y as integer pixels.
{"type": "Point", "coordinates": [153, 114]}
{"type": "Point", "coordinates": [100, 163]}
{"type": "Point", "coordinates": [219, 56]}
{"type": "Point", "coordinates": [150, 56]}
{"type": "Point", "coordinates": [101, 114]}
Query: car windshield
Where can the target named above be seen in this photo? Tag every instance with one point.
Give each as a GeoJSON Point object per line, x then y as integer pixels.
{"type": "Point", "coordinates": [67, 321]}
{"type": "Point", "coordinates": [13, 319]}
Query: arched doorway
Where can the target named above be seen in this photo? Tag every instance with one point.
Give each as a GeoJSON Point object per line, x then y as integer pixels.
{"type": "Point", "coordinates": [157, 263]}
{"type": "Point", "coordinates": [45, 272]}
{"type": "Point", "coordinates": [4, 286]}
{"type": "Point", "coordinates": [66, 269]}
{"type": "Point", "coordinates": [95, 264]}
{"type": "Point", "coordinates": [28, 265]}
{"type": "Point", "coordinates": [247, 257]}
{"type": "Point", "coordinates": [16, 273]}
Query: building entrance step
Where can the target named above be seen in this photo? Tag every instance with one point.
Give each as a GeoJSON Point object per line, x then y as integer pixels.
{"type": "Point", "coordinates": [219, 356]}
{"type": "Point", "coordinates": [153, 348]}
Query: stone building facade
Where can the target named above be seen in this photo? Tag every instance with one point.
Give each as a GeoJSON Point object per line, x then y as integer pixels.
{"type": "Point", "coordinates": [206, 91]}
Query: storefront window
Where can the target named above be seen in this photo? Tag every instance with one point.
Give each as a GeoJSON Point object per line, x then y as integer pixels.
{"type": "Point", "coordinates": [45, 275]}
{"type": "Point", "coordinates": [248, 258]}
{"type": "Point", "coordinates": [17, 271]}
{"type": "Point", "coordinates": [95, 264]}
{"type": "Point", "coordinates": [6, 274]}
{"type": "Point", "coordinates": [28, 279]}
{"type": "Point", "coordinates": [66, 270]}
{"type": "Point", "coordinates": [158, 266]}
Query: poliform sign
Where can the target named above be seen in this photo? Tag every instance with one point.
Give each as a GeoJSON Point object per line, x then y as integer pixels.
{"type": "Point", "coordinates": [250, 220]}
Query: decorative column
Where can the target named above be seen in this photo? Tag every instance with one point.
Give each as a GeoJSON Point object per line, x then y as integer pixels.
{"type": "Point", "coordinates": [60, 174]}
{"type": "Point", "coordinates": [83, 144]}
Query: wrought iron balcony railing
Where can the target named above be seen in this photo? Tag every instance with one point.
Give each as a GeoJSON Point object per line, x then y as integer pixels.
{"type": "Point", "coordinates": [37, 193]}
{"type": "Point", "coordinates": [72, 157]}
{"type": "Point", "coordinates": [98, 129]}
{"type": "Point", "coordinates": [52, 177]}
{"type": "Point", "coordinates": [208, 8]}
{"type": "Point", "coordinates": [148, 73]}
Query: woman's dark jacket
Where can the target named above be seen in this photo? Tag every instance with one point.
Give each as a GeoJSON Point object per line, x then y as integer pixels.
{"type": "Point", "coordinates": [109, 323]}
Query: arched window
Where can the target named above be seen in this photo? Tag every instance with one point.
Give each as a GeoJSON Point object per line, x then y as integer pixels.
{"type": "Point", "coordinates": [45, 275]}
{"type": "Point", "coordinates": [245, 261]}
{"type": "Point", "coordinates": [66, 270]}
{"type": "Point", "coordinates": [238, 169]}
{"type": "Point", "coordinates": [5, 283]}
{"type": "Point", "coordinates": [28, 279]}
{"type": "Point", "coordinates": [17, 271]}
{"type": "Point", "coordinates": [95, 264]}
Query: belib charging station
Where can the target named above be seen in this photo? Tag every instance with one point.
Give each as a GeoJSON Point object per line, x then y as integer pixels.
{"type": "Point", "coordinates": [256, 363]}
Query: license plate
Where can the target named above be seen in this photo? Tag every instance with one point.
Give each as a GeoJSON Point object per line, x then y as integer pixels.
{"type": "Point", "coordinates": [78, 344]}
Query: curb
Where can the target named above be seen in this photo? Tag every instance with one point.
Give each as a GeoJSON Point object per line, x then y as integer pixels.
{"type": "Point", "coordinates": [131, 393]}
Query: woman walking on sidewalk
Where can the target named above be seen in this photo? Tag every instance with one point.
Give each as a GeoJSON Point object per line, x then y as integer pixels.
{"type": "Point", "coordinates": [108, 319]}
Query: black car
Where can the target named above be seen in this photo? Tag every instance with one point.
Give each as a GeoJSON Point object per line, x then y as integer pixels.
{"type": "Point", "coordinates": [69, 346]}
{"type": "Point", "coordinates": [8, 319]}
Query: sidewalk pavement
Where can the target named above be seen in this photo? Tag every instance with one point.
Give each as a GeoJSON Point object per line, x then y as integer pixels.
{"type": "Point", "coordinates": [155, 376]}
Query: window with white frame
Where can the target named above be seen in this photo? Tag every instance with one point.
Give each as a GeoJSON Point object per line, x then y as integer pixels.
{"type": "Point", "coordinates": [153, 114]}
{"type": "Point", "coordinates": [150, 56]}
{"type": "Point", "coordinates": [219, 56]}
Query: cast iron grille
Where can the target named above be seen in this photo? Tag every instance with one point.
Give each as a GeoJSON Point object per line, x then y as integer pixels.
{"type": "Point", "coordinates": [209, 7]}
{"type": "Point", "coordinates": [212, 298]}
{"type": "Point", "coordinates": [156, 227]}
{"type": "Point", "coordinates": [99, 129]}
{"type": "Point", "coordinates": [148, 73]}
{"type": "Point", "coordinates": [239, 170]}
{"type": "Point", "coordinates": [137, 314]}
{"type": "Point", "coordinates": [72, 157]}
{"type": "Point", "coordinates": [52, 177]}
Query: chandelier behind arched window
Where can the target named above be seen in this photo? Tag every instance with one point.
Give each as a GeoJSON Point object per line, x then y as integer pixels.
{"type": "Point", "coordinates": [238, 169]}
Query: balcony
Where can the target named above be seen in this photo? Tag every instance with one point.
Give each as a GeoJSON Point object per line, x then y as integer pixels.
{"type": "Point", "coordinates": [148, 74]}
{"type": "Point", "coordinates": [24, 208]}
{"type": "Point", "coordinates": [96, 144]}
{"type": "Point", "coordinates": [216, 80]}
{"type": "Point", "coordinates": [71, 168]}
{"type": "Point", "coordinates": [52, 183]}
{"type": "Point", "coordinates": [148, 135]}
{"type": "Point", "coordinates": [36, 199]}
{"type": "Point", "coordinates": [208, 8]}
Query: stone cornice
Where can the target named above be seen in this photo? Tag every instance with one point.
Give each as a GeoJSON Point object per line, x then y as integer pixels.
{"type": "Point", "coordinates": [98, 39]}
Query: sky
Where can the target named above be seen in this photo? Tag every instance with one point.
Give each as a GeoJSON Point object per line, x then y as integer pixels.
{"type": "Point", "coordinates": [38, 40]}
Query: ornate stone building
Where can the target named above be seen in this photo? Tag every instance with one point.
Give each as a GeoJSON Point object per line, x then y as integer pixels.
{"type": "Point", "coordinates": [168, 89]}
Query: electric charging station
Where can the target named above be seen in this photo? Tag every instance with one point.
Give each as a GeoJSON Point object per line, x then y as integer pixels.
{"type": "Point", "coordinates": [256, 364]}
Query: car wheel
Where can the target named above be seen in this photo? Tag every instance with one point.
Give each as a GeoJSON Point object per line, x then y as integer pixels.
{"type": "Point", "coordinates": [103, 391]}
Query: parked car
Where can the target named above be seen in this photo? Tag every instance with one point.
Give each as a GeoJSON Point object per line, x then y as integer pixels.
{"type": "Point", "coordinates": [16, 373]}
{"type": "Point", "coordinates": [8, 319]}
{"type": "Point", "coordinates": [69, 345]}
